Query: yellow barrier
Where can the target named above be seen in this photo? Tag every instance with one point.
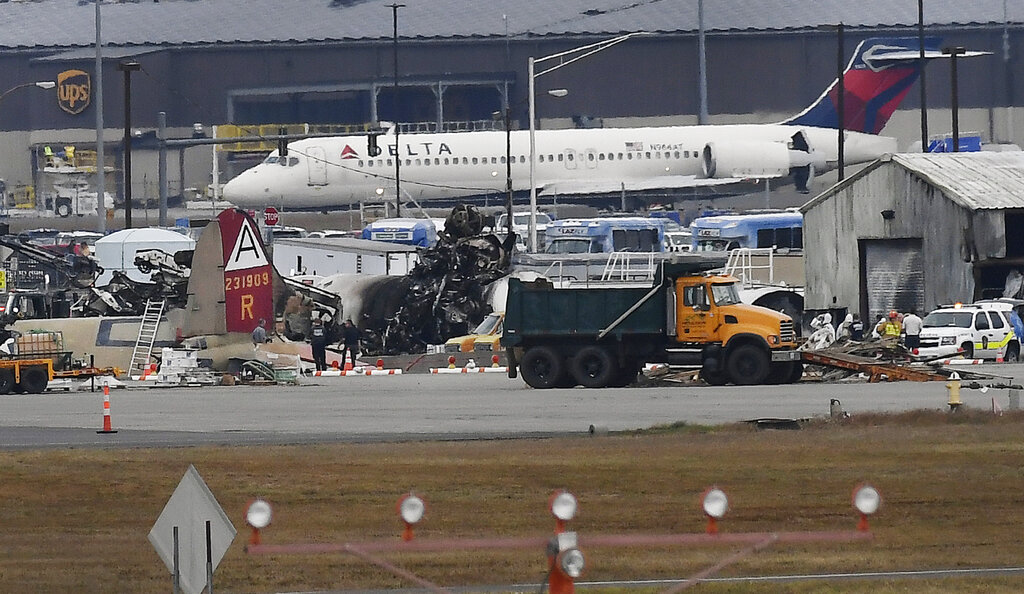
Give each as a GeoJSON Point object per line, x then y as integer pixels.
{"type": "Point", "coordinates": [235, 131]}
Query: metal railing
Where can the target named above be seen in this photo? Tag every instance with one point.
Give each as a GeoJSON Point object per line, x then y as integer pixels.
{"type": "Point", "coordinates": [741, 265]}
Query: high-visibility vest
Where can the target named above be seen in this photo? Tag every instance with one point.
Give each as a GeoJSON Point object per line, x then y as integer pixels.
{"type": "Point", "coordinates": [892, 329]}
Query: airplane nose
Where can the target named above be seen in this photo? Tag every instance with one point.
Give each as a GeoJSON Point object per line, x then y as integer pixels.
{"type": "Point", "coordinates": [244, 189]}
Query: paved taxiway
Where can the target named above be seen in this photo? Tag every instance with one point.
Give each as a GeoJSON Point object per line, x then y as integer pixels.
{"type": "Point", "coordinates": [421, 406]}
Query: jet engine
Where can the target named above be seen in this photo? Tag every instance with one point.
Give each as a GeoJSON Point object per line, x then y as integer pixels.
{"type": "Point", "coordinates": [764, 159]}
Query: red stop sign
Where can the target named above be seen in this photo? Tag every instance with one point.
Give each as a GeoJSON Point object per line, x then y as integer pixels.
{"type": "Point", "coordinates": [270, 216]}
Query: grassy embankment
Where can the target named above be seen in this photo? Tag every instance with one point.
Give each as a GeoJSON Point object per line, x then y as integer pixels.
{"type": "Point", "coordinates": [953, 489]}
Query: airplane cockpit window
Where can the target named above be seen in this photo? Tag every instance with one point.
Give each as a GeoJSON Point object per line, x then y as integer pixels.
{"type": "Point", "coordinates": [271, 159]}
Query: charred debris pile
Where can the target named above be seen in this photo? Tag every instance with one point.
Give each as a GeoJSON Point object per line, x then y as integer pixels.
{"type": "Point", "coordinates": [445, 293]}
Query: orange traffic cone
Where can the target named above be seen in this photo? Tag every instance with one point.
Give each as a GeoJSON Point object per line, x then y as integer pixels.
{"type": "Point", "coordinates": [349, 362]}
{"type": "Point", "coordinates": [999, 356]}
{"type": "Point", "coordinates": [106, 411]}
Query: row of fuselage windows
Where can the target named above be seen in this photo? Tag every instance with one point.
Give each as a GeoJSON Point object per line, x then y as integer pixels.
{"type": "Point", "coordinates": [549, 158]}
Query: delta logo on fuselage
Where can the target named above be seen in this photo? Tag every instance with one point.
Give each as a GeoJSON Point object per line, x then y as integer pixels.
{"type": "Point", "coordinates": [423, 149]}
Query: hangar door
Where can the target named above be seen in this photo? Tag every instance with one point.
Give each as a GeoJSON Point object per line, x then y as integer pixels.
{"type": "Point", "coordinates": [892, 277]}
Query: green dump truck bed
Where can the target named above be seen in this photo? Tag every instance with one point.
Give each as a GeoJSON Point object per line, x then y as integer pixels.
{"type": "Point", "coordinates": [537, 309]}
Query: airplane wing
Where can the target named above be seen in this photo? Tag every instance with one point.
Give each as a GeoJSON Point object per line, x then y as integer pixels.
{"type": "Point", "coordinates": [668, 182]}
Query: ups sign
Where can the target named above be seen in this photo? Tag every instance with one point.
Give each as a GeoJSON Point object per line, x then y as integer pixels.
{"type": "Point", "coordinates": [74, 89]}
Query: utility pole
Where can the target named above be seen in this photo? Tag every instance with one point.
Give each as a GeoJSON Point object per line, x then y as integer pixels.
{"type": "Point", "coordinates": [394, 99]}
{"type": "Point", "coordinates": [128, 68]}
{"type": "Point", "coordinates": [920, 66]}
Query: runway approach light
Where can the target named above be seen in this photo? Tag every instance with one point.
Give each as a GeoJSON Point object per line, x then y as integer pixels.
{"type": "Point", "coordinates": [571, 563]}
{"type": "Point", "coordinates": [563, 507]}
{"type": "Point", "coordinates": [867, 501]}
{"type": "Point", "coordinates": [411, 508]}
{"type": "Point", "coordinates": [258, 516]}
{"type": "Point", "coordinates": [715, 504]}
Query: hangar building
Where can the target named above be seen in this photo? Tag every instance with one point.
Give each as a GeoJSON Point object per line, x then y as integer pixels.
{"type": "Point", "coordinates": [328, 65]}
{"type": "Point", "coordinates": [914, 231]}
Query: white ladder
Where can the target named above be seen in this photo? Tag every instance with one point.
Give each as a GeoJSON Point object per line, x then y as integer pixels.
{"type": "Point", "coordinates": [147, 336]}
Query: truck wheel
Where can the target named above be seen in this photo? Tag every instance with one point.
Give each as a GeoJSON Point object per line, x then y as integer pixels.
{"type": "Point", "coordinates": [778, 373]}
{"type": "Point", "coordinates": [626, 375]}
{"type": "Point", "coordinates": [795, 373]}
{"type": "Point", "coordinates": [34, 380]}
{"type": "Point", "coordinates": [714, 378]}
{"type": "Point", "coordinates": [541, 367]}
{"type": "Point", "coordinates": [63, 208]}
{"type": "Point", "coordinates": [748, 365]}
{"type": "Point", "coordinates": [968, 350]}
{"type": "Point", "coordinates": [1012, 354]}
{"type": "Point", "coordinates": [6, 381]}
{"type": "Point", "coordinates": [594, 367]}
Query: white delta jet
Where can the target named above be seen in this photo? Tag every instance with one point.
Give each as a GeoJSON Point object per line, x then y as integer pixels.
{"type": "Point", "coordinates": [337, 171]}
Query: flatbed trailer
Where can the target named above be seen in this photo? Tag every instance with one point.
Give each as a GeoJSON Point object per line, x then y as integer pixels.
{"type": "Point", "coordinates": [25, 375]}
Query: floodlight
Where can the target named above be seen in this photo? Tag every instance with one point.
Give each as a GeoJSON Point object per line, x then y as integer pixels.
{"type": "Point", "coordinates": [563, 505]}
{"type": "Point", "coordinates": [571, 562]}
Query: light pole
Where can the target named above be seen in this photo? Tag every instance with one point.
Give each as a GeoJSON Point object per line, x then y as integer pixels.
{"type": "Point", "coordinates": [564, 59]}
{"type": "Point", "coordinates": [920, 67]}
{"type": "Point", "coordinates": [42, 84]}
{"type": "Point", "coordinates": [953, 52]}
{"type": "Point", "coordinates": [394, 104]}
{"type": "Point", "coordinates": [508, 167]}
{"type": "Point", "coordinates": [128, 68]}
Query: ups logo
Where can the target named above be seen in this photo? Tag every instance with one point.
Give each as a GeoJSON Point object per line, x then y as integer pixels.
{"type": "Point", "coordinates": [74, 89]}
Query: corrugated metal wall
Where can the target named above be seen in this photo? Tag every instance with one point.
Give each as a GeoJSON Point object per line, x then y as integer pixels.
{"type": "Point", "coordinates": [835, 228]}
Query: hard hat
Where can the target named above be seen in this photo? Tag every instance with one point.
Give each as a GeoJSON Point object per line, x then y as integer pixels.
{"type": "Point", "coordinates": [893, 314]}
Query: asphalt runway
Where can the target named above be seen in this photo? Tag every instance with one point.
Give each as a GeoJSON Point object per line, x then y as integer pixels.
{"type": "Point", "coordinates": [423, 406]}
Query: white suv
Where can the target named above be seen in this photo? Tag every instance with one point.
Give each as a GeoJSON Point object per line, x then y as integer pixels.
{"type": "Point", "coordinates": [978, 331]}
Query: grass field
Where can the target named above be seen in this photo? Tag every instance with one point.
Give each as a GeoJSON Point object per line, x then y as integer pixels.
{"type": "Point", "coordinates": [952, 487]}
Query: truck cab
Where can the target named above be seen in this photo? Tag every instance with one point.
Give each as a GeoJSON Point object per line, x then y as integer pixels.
{"type": "Point", "coordinates": [738, 342]}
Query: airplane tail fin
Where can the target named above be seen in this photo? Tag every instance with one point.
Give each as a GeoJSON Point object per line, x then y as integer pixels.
{"type": "Point", "coordinates": [876, 80]}
{"type": "Point", "coordinates": [233, 284]}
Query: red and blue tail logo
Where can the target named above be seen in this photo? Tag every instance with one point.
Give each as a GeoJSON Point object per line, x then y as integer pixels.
{"type": "Point", "coordinates": [875, 82]}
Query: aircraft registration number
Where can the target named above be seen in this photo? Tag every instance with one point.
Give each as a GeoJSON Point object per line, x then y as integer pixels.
{"type": "Point", "coordinates": [247, 281]}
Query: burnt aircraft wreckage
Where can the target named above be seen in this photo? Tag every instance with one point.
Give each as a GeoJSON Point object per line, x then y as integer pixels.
{"type": "Point", "coordinates": [215, 295]}
{"type": "Point", "coordinates": [446, 294]}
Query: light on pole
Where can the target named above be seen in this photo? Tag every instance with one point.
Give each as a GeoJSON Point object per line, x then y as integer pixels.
{"type": "Point", "coordinates": [42, 84]}
{"type": "Point", "coordinates": [564, 59]}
